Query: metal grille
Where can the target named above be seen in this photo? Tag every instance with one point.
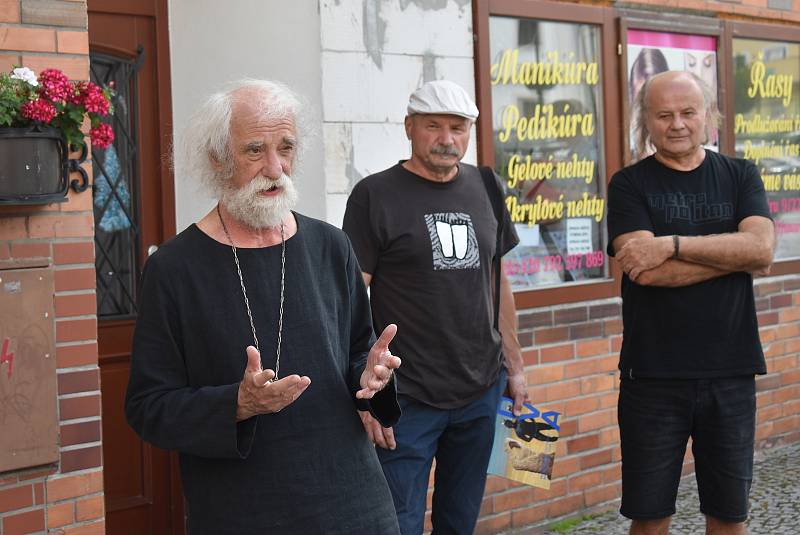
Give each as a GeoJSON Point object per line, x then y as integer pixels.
{"type": "Point", "coordinates": [115, 193]}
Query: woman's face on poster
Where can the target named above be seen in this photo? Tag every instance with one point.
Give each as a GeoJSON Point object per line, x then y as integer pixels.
{"type": "Point", "coordinates": [703, 65]}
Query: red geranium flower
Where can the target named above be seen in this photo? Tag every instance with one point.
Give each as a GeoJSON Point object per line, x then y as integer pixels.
{"type": "Point", "coordinates": [38, 110]}
{"type": "Point", "coordinates": [55, 101]}
{"type": "Point", "coordinates": [102, 135]}
{"type": "Point", "coordinates": [93, 99]}
{"type": "Point", "coordinates": [54, 85]}
{"type": "Point", "coordinates": [76, 94]}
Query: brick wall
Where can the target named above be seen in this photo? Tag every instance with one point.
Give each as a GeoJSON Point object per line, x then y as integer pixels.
{"type": "Point", "coordinates": [785, 11]}
{"type": "Point", "coordinates": [571, 353]}
{"type": "Point", "coordinates": [66, 497]}
{"type": "Point", "coordinates": [778, 304]}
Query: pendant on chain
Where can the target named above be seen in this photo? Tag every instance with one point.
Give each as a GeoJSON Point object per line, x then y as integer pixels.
{"type": "Point", "coordinates": [247, 301]}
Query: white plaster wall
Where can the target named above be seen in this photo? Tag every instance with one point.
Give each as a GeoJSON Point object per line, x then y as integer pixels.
{"type": "Point", "coordinates": [374, 54]}
{"type": "Point", "coordinates": [213, 42]}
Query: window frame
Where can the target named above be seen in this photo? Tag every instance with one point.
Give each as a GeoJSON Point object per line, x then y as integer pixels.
{"type": "Point", "coordinates": [603, 18]}
{"type": "Point", "coordinates": [764, 32]}
{"type": "Point", "coordinates": [689, 25]}
{"type": "Point", "coordinates": [613, 25]}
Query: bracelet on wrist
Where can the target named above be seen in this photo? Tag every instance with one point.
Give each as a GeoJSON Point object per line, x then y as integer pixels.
{"type": "Point", "coordinates": [676, 243]}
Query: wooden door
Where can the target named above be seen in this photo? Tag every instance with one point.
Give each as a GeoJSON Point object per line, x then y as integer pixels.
{"type": "Point", "coordinates": [134, 210]}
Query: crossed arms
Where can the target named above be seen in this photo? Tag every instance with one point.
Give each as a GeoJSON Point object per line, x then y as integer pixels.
{"type": "Point", "coordinates": [647, 260]}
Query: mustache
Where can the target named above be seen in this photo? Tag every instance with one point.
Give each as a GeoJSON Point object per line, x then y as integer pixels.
{"type": "Point", "coordinates": [260, 182]}
{"type": "Point", "coordinates": [445, 149]}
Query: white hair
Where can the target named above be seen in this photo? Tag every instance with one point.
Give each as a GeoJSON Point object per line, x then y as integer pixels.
{"type": "Point", "coordinates": [207, 135]}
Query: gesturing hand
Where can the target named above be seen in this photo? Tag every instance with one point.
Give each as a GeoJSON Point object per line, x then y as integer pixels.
{"type": "Point", "coordinates": [257, 395]}
{"type": "Point", "coordinates": [380, 363]}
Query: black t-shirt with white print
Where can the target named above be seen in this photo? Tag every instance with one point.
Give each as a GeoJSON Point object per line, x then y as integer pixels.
{"type": "Point", "coordinates": [703, 330]}
{"type": "Point", "coordinates": [429, 248]}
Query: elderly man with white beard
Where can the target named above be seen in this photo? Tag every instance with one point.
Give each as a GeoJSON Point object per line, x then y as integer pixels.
{"type": "Point", "coordinates": [254, 345]}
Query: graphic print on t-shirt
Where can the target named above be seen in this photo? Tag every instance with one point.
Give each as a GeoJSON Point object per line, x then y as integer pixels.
{"type": "Point", "coordinates": [693, 208]}
{"type": "Point", "coordinates": [453, 241]}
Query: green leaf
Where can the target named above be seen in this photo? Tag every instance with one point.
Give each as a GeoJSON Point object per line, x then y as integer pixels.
{"type": "Point", "coordinates": [75, 115]}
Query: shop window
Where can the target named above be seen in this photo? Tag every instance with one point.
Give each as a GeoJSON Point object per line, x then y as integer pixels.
{"type": "Point", "coordinates": [556, 84]}
{"type": "Point", "coordinates": [766, 128]}
{"type": "Point", "coordinates": [543, 87]}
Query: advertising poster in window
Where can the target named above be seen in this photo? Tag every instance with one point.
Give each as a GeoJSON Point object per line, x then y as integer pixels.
{"type": "Point", "coordinates": [650, 53]}
{"type": "Point", "coordinates": [766, 126]}
{"type": "Point", "coordinates": [548, 142]}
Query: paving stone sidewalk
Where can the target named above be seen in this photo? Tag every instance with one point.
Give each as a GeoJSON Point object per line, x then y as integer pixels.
{"type": "Point", "coordinates": [774, 501]}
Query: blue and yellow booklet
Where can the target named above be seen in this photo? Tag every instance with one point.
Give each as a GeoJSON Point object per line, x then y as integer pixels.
{"type": "Point", "coordinates": [525, 446]}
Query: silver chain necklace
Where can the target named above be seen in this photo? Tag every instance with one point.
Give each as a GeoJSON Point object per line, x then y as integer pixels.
{"type": "Point", "coordinates": [247, 301]}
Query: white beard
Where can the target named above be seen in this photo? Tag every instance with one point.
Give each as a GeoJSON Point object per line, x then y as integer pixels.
{"type": "Point", "coordinates": [246, 206]}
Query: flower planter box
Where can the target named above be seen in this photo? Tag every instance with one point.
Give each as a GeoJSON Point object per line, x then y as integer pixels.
{"type": "Point", "coordinates": [34, 166]}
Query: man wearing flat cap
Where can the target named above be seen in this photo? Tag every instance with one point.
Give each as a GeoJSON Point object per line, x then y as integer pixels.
{"type": "Point", "coordinates": [426, 232]}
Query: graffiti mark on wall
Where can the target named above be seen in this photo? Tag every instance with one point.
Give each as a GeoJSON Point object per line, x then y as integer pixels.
{"type": "Point", "coordinates": [7, 357]}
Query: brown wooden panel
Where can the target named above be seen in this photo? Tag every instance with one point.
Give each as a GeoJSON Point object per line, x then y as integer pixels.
{"type": "Point", "coordinates": [142, 487]}
{"type": "Point", "coordinates": [137, 479]}
{"type": "Point", "coordinates": [116, 340]}
{"type": "Point", "coordinates": [28, 388]}
{"type": "Point", "coordinates": [483, 85]}
{"type": "Point", "coordinates": [123, 450]}
{"type": "Point", "coordinates": [123, 7]}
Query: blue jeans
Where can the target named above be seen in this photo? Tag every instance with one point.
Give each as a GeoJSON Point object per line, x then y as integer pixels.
{"type": "Point", "coordinates": [461, 440]}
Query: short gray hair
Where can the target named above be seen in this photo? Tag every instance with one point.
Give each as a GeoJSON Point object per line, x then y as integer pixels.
{"type": "Point", "coordinates": [641, 135]}
{"type": "Point", "coordinates": [207, 135]}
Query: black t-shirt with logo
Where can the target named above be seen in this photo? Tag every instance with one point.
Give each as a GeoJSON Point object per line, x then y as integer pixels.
{"type": "Point", "coordinates": [703, 330]}
{"type": "Point", "coordinates": [429, 248]}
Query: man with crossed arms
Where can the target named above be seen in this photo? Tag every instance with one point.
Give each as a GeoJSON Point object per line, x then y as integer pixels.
{"type": "Point", "coordinates": [689, 227]}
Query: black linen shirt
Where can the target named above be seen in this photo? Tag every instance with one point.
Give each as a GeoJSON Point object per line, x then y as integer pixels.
{"type": "Point", "coordinates": [309, 468]}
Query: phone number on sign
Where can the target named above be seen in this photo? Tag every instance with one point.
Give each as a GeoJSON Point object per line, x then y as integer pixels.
{"type": "Point", "coordinates": [535, 264]}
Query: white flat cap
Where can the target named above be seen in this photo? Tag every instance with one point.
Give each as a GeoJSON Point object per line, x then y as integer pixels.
{"type": "Point", "coordinates": [442, 96]}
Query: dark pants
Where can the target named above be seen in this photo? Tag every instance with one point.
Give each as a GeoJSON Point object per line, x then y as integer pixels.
{"type": "Point", "coordinates": [461, 440]}
{"type": "Point", "coordinates": [656, 419]}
